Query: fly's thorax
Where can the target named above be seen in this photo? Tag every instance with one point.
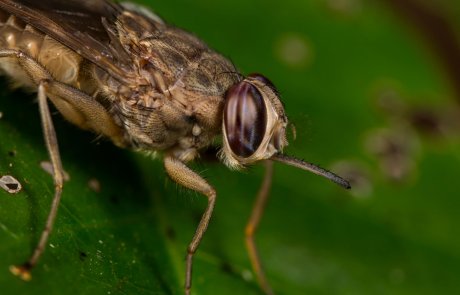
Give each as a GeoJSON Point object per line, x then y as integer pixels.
{"type": "Point", "coordinates": [254, 122]}
{"type": "Point", "coordinates": [167, 126]}
{"type": "Point", "coordinates": [171, 59]}
{"type": "Point", "coordinates": [179, 119]}
{"type": "Point", "coordinates": [175, 96]}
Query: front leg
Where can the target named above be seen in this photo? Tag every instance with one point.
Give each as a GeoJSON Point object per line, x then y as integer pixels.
{"type": "Point", "coordinates": [188, 178]}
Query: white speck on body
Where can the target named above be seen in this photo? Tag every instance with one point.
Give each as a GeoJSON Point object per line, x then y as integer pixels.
{"type": "Point", "coordinates": [52, 246]}
{"type": "Point", "coordinates": [101, 242]}
{"type": "Point", "coordinates": [10, 39]}
{"type": "Point", "coordinates": [196, 130]}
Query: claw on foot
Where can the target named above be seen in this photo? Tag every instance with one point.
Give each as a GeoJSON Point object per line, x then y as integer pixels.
{"type": "Point", "coordinates": [22, 272]}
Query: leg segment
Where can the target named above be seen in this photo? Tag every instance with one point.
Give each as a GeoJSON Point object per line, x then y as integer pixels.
{"type": "Point", "coordinates": [184, 176]}
{"type": "Point", "coordinates": [252, 225]}
{"type": "Point", "coordinates": [23, 271]}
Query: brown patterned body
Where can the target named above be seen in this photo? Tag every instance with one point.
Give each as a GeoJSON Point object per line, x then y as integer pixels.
{"type": "Point", "coordinates": [171, 95]}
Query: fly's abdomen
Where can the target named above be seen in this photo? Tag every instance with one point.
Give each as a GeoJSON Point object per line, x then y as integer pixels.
{"type": "Point", "coordinates": [62, 63]}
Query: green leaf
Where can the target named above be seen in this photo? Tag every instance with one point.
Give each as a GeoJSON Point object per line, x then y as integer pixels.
{"type": "Point", "coordinates": [331, 64]}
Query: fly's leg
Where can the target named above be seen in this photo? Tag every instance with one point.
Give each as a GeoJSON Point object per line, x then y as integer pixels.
{"type": "Point", "coordinates": [43, 79]}
{"type": "Point", "coordinates": [188, 178]}
{"type": "Point", "coordinates": [252, 225]}
{"type": "Point", "coordinates": [23, 271]}
{"type": "Point", "coordinates": [77, 107]}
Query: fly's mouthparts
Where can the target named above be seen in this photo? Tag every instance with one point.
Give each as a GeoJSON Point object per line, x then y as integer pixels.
{"type": "Point", "coordinates": [291, 161]}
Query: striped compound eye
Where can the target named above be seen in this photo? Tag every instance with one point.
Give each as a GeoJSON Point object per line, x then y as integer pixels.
{"type": "Point", "coordinates": [245, 119]}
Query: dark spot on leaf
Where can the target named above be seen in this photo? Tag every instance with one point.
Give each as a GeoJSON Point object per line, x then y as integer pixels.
{"type": "Point", "coordinates": [114, 200]}
{"type": "Point", "coordinates": [227, 268]}
{"type": "Point", "coordinates": [12, 153]}
{"type": "Point", "coordinates": [426, 121]}
{"type": "Point", "coordinates": [170, 233]}
{"type": "Point", "coordinates": [82, 255]}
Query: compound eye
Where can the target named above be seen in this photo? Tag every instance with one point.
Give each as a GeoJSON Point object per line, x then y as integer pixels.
{"type": "Point", "coordinates": [245, 119]}
{"type": "Point", "coordinates": [264, 80]}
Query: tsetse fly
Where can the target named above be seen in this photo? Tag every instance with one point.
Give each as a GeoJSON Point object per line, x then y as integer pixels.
{"type": "Point", "coordinates": [120, 71]}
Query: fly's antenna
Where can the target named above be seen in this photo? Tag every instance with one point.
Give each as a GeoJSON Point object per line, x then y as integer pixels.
{"type": "Point", "coordinates": [291, 161]}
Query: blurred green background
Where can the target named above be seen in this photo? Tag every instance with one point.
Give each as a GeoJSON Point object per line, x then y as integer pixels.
{"type": "Point", "coordinates": [372, 88]}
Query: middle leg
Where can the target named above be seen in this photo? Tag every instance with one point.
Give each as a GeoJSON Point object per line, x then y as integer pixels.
{"type": "Point", "coordinates": [253, 224]}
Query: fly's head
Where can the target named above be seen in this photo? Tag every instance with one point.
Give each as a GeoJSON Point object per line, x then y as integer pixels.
{"type": "Point", "coordinates": [254, 122]}
{"type": "Point", "coordinates": [254, 128]}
